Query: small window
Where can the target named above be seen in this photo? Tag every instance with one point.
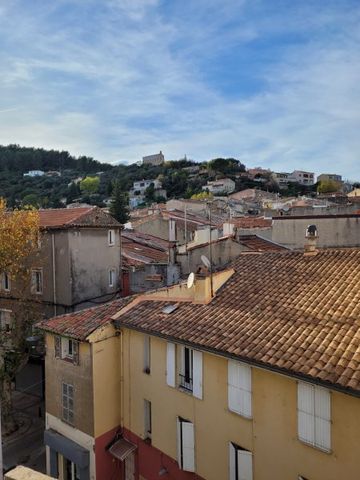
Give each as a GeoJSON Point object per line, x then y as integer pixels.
{"type": "Point", "coordinates": [147, 420]}
{"type": "Point", "coordinates": [37, 281]}
{"type": "Point", "coordinates": [240, 463]}
{"type": "Point", "coordinates": [111, 237]}
{"type": "Point", "coordinates": [186, 369]}
{"type": "Point", "coordinates": [5, 320]}
{"type": "Point", "coordinates": [147, 354]}
{"type": "Point", "coordinates": [68, 402]}
{"type": "Point", "coordinates": [67, 348]}
{"type": "Point", "coordinates": [6, 282]}
{"type": "Point", "coordinates": [112, 277]}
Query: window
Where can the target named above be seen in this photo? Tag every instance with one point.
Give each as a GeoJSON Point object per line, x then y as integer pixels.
{"type": "Point", "coordinates": [5, 320]}
{"type": "Point", "coordinates": [71, 470]}
{"type": "Point", "coordinates": [314, 419]}
{"type": "Point", "coordinates": [147, 419]}
{"type": "Point", "coordinates": [36, 281]}
{"type": "Point", "coordinates": [185, 445]}
{"type": "Point", "coordinates": [190, 369]}
{"type": "Point", "coordinates": [240, 463]}
{"type": "Point", "coordinates": [111, 237]}
{"type": "Point", "coordinates": [112, 276]}
{"type": "Point", "coordinates": [6, 282]}
{"type": "Point", "coordinates": [147, 354]}
{"type": "Point", "coordinates": [67, 349]}
{"type": "Point", "coordinates": [68, 402]}
{"type": "Point", "coordinates": [239, 388]}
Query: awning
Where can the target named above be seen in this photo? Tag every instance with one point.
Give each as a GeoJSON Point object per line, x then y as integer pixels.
{"type": "Point", "coordinates": [122, 448]}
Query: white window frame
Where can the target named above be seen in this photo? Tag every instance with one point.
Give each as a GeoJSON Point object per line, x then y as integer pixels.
{"type": "Point", "coordinates": [147, 420]}
{"type": "Point", "coordinates": [6, 319]}
{"type": "Point", "coordinates": [6, 282]}
{"type": "Point", "coordinates": [147, 354]}
{"type": "Point", "coordinates": [185, 373]}
{"type": "Point", "coordinates": [67, 396]}
{"type": "Point", "coordinates": [240, 463]}
{"type": "Point", "coordinates": [185, 445]}
{"type": "Point", "coordinates": [112, 277]}
{"type": "Point", "coordinates": [314, 415]}
{"type": "Point", "coordinates": [35, 283]}
{"type": "Point", "coordinates": [67, 348]}
{"type": "Point", "coordinates": [111, 237]}
{"type": "Point", "coordinates": [240, 388]}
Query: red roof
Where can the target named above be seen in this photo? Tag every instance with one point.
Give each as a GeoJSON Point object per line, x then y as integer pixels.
{"type": "Point", "coordinates": [79, 216]}
{"type": "Point", "coordinates": [251, 222]}
{"type": "Point", "coordinates": [80, 324]}
{"type": "Point", "coordinates": [260, 244]}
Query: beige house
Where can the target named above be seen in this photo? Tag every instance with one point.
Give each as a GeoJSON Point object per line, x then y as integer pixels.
{"type": "Point", "coordinates": [253, 375]}
{"type": "Point", "coordinates": [354, 193]}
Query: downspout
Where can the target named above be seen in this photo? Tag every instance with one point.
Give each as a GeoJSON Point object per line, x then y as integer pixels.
{"type": "Point", "coordinates": [54, 272]}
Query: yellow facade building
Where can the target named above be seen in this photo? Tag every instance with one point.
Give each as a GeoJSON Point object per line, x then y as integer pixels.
{"type": "Point", "coordinates": [253, 374]}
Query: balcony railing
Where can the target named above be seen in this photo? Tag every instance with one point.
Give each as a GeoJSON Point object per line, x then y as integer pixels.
{"type": "Point", "coordinates": [186, 382]}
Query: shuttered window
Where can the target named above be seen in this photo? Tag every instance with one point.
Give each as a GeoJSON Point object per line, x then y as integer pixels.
{"type": "Point", "coordinates": [239, 388]}
{"type": "Point", "coordinates": [190, 370]}
{"type": "Point", "coordinates": [68, 402]}
{"type": "Point", "coordinates": [314, 416]}
{"type": "Point", "coordinates": [170, 365]}
{"type": "Point", "coordinates": [240, 463]}
{"type": "Point", "coordinates": [186, 445]}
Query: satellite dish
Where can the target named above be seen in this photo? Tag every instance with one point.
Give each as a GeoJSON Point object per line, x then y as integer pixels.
{"type": "Point", "coordinates": [190, 280]}
{"type": "Point", "coordinates": [205, 261]}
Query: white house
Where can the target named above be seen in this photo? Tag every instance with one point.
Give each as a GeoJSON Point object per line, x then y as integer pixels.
{"type": "Point", "coordinates": [223, 186]}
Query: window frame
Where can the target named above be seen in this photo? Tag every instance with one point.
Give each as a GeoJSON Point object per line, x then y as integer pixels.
{"type": "Point", "coordinates": [6, 282]}
{"type": "Point", "coordinates": [112, 277]}
{"type": "Point", "coordinates": [34, 282]}
{"type": "Point", "coordinates": [111, 237]}
{"type": "Point", "coordinates": [67, 411]}
{"type": "Point", "coordinates": [314, 393]}
{"type": "Point", "coordinates": [185, 453]}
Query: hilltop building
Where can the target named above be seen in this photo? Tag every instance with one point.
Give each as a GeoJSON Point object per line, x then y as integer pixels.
{"type": "Point", "coordinates": [156, 159]}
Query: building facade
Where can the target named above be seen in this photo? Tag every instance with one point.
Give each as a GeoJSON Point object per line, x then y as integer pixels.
{"type": "Point", "coordinates": [234, 376]}
{"type": "Point", "coordinates": [219, 187]}
{"type": "Point", "coordinates": [156, 159]}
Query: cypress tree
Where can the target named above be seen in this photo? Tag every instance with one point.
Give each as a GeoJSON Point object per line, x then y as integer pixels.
{"type": "Point", "coordinates": [119, 207]}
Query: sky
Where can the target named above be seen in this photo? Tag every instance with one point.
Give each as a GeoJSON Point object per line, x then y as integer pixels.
{"type": "Point", "coordinates": [272, 83]}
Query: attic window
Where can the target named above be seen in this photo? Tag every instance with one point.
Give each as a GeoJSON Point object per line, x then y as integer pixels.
{"type": "Point", "coordinates": [170, 308]}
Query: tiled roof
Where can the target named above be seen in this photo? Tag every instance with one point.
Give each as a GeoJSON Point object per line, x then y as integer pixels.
{"type": "Point", "coordinates": [259, 244]}
{"type": "Point", "coordinates": [251, 222]}
{"type": "Point", "coordinates": [141, 248]}
{"type": "Point", "coordinates": [79, 325]}
{"type": "Point", "coordinates": [71, 217]}
{"type": "Point", "coordinates": [295, 314]}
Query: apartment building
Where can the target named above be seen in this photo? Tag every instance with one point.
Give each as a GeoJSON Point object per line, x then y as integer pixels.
{"type": "Point", "coordinates": [137, 192]}
{"type": "Point", "coordinates": [252, 374]}
{"type": "Point", "coordinates": [297, 176]}
{"type": "Point", "coordinates": [65, 274]}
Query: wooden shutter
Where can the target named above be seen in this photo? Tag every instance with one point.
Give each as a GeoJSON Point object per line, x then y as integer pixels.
{"type": "Point", "coordinates": [232, 462]}
{"type": "Point", "coordinates": [239, 388]}
{"type": "Point", "coordinates": [170, 364]}
{"type": "Point", "coordinates": [57, 341]}
{"type": "Point", "coordinates": [244, 464]}
{"type": "Point", "coordinates": [179, 441]}
{"type": "Point", "coordinates": [75, 352]}
{"type": "Point", "coordinates": [306, 413]}
{"type": "Point", "coordinates": [197, 374]}
{"type": "Point", "coordinates": [188, 447]}
{"type": "Point", "coordinates": [322, 418]}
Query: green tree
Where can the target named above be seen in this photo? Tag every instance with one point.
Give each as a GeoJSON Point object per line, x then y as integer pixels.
{"type": "Point", "coordinates": [31, 200]}
{"type": "Point", "coordinates": [150, 193]}
{"type": "Point", "coordinates": [90, 185]}
{"type": "Point", "coordinates": [119, 207]}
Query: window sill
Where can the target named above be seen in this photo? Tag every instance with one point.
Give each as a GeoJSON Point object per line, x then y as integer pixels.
{"type": "Point", "coordinates": [241, 415]}
{"type": "Point", "coordinates": [316, 447]}
{"type": "Point", "coordinates": [185, 390]}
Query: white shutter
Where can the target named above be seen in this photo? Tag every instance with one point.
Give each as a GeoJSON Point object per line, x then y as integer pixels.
{"type": "Point", "coordinates": [170, 365]}
{"type": "Point", "coordinates": [322, 418]}
{"type": "Point", "coordinates": [197, 374]}
{"type": "Point", "coordinates": [244, 465]}
{"type": "Point", "coordinates": [232, 462]}
{"type": "Point", "coordinates": [306, 413]}
{"type": "Point", "coordinates": [239, 388]}
{"type": "Point", "coordinates": [179, 441]}
{"type": "Point", "coordinates": [188, 447]}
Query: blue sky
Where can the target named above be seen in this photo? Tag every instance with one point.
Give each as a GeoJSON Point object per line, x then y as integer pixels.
{"type": "Point", "coordinates": [273, 83]}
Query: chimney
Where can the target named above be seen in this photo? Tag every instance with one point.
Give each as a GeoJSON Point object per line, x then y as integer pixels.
{"type": "Point", "coordinates": [311, 237]}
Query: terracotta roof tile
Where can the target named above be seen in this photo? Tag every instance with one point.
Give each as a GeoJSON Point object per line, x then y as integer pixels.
{"type": "Point", "coordinates": [251, 222]}
{"type": "Point", "coordinates": [259, 244]}
{"type": "Point", "coordinates": [289, 312]}
{"type": "Point", "coordinates": [71, 217]}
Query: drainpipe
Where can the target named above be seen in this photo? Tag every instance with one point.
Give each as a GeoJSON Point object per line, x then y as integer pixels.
{"type": "Point", "coordinates": [54, 272]}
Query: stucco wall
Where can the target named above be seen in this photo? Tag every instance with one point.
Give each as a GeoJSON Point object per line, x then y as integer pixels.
{"type": "Point", "coordinates": [58, 371]}
{"type": "Point", "coordinates": [140, 282]}
{"type": "Point", "coordinates": [91, 259]}
{"type": "Point", "coordinates": [271, 435]}
{"type": "Point", "coordinates": [333, 231]}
